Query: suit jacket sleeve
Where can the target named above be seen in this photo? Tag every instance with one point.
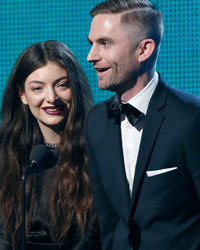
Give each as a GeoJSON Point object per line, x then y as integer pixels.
{"type": "Point", "coordinates": [192, 148]}
{"type": "Point", "coordinates": [106, 215]}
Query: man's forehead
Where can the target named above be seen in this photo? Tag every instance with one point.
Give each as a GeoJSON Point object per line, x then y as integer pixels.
{"type": "Point", "coordinates": [105, 23]}
{"type": "Point", "coordinates": [106, 20]}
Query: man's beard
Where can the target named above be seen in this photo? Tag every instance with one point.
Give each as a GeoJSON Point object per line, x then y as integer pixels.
{"type": "Point", "coordinates": [121, 80]}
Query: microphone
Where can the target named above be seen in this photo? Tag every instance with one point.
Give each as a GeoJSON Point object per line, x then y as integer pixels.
{"type": "Point", "coordinates": [41, 158]}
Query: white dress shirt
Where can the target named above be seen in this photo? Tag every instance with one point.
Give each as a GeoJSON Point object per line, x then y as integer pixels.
{"type": "Point", "coordinates": [131, 136]}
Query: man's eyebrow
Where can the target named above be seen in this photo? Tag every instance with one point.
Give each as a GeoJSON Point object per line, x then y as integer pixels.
{"type": "Point", "coordinates": [100, 39]}
{"type": "Point", "coordinates": [105, 38]}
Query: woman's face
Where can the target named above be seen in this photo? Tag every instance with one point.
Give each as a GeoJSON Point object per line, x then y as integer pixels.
{"type": "Point", "coordinates": [48, 95]}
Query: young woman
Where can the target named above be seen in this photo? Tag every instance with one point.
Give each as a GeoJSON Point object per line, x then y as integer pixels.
{"type": "Point", "coordinates": [45, 102]}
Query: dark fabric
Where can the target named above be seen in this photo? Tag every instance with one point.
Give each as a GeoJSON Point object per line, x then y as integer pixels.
{"type": "Point", "coordinates": [40, 237]}
{"type": "Point", "coordinates": [163, 211]}
{"type": "Point", "coordinates": [39, 241]}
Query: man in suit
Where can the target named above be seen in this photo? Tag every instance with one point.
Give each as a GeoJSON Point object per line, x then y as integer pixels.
{"type": "Point", "coordinates": [143, 144]}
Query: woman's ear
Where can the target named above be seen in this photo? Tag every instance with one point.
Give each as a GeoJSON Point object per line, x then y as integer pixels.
{"type": "Point", "coordinates": [147, 47]}
{"type": "Point", "coordinates": [22, 96]}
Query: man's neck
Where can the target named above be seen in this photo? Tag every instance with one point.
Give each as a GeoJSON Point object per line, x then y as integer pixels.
{"type": "Point", "coordinates": [140, 84]}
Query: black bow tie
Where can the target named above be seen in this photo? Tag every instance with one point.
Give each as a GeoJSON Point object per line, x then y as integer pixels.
{"type": "Point", "coordinates": [115, 109]}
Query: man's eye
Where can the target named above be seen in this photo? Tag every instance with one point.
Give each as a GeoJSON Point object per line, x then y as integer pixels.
{"type": "Point", "coordinates": [105, 43]}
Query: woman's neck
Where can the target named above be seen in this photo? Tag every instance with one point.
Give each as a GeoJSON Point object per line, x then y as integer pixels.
{"type": "Point", "coordinates": [51, 135]}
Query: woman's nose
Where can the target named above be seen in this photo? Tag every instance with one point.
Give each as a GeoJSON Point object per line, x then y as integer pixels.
{"type": "Point", "coordinates": [51, 95]}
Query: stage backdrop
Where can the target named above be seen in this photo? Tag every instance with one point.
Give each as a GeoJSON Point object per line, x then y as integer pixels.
{"type": "Point", "coordinates": [24, 22]}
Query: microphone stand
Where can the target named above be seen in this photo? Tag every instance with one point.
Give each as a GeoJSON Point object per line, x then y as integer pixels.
{"type": "Point", "coordinates": [23, 241]}
{"type": "Point", "coordinates": [41, 158]}
{"type": "Point", "coordinates": [28, 171]}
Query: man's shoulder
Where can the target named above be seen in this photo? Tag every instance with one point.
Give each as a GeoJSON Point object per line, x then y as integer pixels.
{"type": "Point", "coordinates": [184, 97]}
{"type": "Point", "coordinates": [97, 117]}
{"type": "Point", "coordinates": [179, 95]}
{"type": "Point", "coordinates": [100, 107]}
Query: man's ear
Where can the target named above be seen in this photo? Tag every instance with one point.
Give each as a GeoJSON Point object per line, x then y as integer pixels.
{"type": "Point", "coordinates": [147, 47]}
{"type": "Point", "coordinates": [22, 96]}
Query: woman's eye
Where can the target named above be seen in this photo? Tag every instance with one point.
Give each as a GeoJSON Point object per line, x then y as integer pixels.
{"type": "Point", "coordinates": [62, 85]}
{"type": "Point", "coordinates": [36, 88]}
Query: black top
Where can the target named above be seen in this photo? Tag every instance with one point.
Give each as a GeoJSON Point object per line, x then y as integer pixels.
{"type": "Point", "coordinates": [40, 238]}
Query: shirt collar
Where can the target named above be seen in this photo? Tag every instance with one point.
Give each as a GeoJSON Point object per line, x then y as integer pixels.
{"type": "Point", "coordinates": [142, 99]}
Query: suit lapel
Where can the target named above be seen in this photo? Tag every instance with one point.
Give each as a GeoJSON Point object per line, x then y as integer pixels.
{"type": "Point", "coordinates": [153, 122]}
{"type": "Point", "coordinates": [112, 140]}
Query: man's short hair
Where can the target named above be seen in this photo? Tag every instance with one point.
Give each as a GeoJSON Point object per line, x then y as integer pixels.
{"type": "Point", "coordinates": [142, 13]}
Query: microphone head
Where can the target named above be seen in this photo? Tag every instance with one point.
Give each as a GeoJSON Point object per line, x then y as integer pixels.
{"type": "Point", "coordinates": [38, 154]}
{"type": "Point", "coordinates": [41, 158]}
{"type": "Point", "coordinates": [51, 159]}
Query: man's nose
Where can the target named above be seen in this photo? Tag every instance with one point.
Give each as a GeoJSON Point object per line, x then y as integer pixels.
{"type": "Point", "coordinates": [93, 55]}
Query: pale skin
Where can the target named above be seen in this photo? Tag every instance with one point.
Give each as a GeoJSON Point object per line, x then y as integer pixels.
{"type": "Point", "coordinates": [118, 53]}
{"type": "Point", "coordinates": [48, 96]}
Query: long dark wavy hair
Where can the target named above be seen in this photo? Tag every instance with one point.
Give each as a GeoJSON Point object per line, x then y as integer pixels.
{"type": "Point", "coordinates": [70, 201]}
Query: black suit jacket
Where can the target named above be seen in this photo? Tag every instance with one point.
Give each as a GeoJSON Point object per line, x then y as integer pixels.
{"type": "Point", "coordinates": [163, 212]}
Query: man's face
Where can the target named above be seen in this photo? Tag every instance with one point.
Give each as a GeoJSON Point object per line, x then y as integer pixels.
{"type": "Point", "coordinates": [114, 51]}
